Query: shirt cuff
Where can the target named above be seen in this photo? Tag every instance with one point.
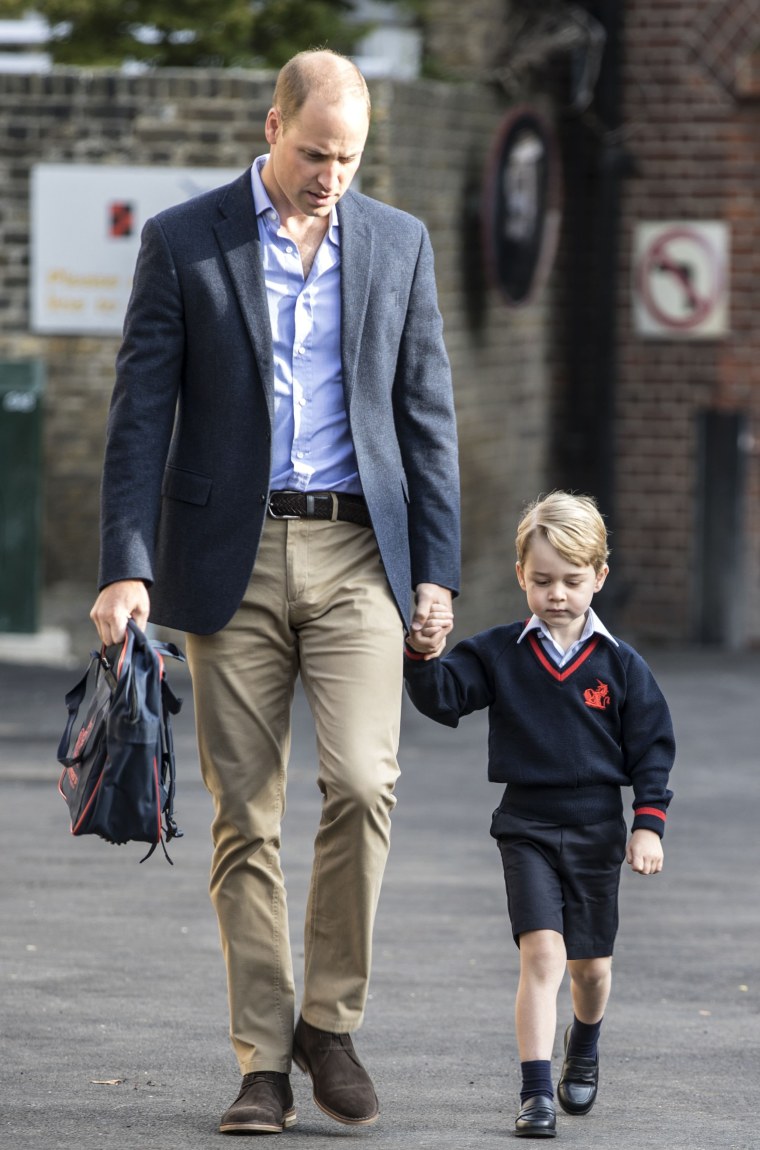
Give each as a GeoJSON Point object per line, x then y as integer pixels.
{"type": "Point", "coordinates": [412, 654]}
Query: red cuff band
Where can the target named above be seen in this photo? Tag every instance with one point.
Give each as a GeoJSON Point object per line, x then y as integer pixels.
{"type": "Point", "coordinates": [651, 811]}
{"type": "Point", "coordinates": [411, 653]}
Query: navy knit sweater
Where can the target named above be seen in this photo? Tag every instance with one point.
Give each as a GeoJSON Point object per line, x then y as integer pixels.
{"type": "Point", "coordinates": [563, 740]}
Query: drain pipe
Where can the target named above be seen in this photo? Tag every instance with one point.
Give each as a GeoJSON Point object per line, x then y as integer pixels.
{"type": "Point", "coordinates": [595, 164]}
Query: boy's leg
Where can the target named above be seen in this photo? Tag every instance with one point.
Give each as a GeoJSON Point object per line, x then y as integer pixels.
{"type": "Point", "coordinates": [542, 968]}
{"type": "Point", "coordinates": [594, 855]}
{"type": "Point", "coordinates": [590, 983]}
{"type": "Point", "coordinates": [591, 979]}
{"type": "Point", "coordinates": [530, 853]}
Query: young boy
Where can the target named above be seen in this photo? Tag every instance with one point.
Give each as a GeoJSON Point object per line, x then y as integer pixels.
{"type": "Point", "coordinates": [574, 715]}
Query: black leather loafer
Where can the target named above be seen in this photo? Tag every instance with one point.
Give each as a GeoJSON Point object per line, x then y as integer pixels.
{"type": "Point", "coordinates": [578, 1082]}
{"type": "Point", "coordinates": [537, 1118]}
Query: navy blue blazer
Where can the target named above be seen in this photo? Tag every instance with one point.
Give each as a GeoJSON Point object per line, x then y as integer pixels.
{"type": "Point", "coordinates": [188, 446]}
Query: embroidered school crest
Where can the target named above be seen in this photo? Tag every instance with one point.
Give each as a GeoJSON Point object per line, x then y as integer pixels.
{"type": "Point", "coordinates": [597, 697]}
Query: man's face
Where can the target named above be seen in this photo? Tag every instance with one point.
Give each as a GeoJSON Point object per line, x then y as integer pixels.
{"type": "Point", "coordinates": [313, 159]}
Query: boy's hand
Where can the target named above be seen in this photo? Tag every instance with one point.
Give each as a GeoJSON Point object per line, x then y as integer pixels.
{"type": "Point", "coordinates": [424, 646]}
{"type": "Point", "coordinates": [644, 852]}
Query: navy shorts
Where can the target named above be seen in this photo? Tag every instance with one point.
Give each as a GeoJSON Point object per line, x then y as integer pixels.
{"type": "Point", "coordinates": [564, 878]}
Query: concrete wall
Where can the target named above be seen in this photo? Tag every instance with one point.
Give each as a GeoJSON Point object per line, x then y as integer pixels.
{"type": "Point", "coordinates": [426, 154]}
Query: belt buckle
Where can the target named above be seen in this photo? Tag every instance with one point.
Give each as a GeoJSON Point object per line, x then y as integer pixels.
{"type": "Point", "coordinates": [274, 514]}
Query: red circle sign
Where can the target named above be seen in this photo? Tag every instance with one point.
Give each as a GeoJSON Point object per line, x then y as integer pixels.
{"type": "Point", "coordinates": [696, 298]}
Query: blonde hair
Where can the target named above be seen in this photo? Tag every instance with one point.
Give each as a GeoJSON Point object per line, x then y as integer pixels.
{"type": "Point", "coordinates": [571, 523]}
{"type": "Point", "coordinates": [323, 72]}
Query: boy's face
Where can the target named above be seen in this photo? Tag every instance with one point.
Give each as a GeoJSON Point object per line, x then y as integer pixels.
{"type": "Point", "coordinates": [558, 591]}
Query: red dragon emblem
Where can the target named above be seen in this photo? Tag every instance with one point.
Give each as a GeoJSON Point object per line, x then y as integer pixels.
{"type": "Point", "coordinates": [597, 697]}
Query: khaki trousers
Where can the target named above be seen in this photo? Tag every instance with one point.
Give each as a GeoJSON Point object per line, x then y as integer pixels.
{"type": "Point", "coordinates": [318, 604]}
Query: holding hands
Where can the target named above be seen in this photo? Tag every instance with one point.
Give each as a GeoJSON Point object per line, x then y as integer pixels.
{"type": "Point", "coordinates": [433, 620]}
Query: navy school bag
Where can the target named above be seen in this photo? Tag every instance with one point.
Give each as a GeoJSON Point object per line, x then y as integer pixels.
{"type": "Point", "coordinates": [118, 777]}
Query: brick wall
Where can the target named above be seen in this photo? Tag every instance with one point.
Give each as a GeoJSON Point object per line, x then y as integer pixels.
{"type": "Point", "coordinates": [694, 139]}
{"type": "Point", "coordinates": [426, 153]}
{"type": "Point", "coordinates": [463, 39]}
{"type": "Point", "coordinates": [689, 125]}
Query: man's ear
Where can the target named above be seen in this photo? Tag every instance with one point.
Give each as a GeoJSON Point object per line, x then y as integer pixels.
{"type": "Point", "coordinates": [272, 125]}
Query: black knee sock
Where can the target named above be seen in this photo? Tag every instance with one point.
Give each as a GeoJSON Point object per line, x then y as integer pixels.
{"type": "Point", "coordinates": [584, 1038]}
{"type": "Point", "coordinates": [536, 1079]}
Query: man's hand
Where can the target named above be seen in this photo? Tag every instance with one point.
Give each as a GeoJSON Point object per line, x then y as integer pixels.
{"type": "Point", "coordinates": [644, 852]}
{"type": "Point", "coordinates": [116, 603]}
{"type": "Point", "coordinates": [433, 619]}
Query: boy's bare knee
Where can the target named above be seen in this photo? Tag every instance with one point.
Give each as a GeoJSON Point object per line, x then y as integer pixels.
{"type": "Point", "coordinates": [543, 952]}
{"type": "Point", "coordinates": [590, 973]}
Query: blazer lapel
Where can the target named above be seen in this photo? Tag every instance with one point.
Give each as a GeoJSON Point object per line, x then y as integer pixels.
{"type": "Point", "coordinates": [355, 276]}
{"type": "Point", "coordinates": [238, 239]}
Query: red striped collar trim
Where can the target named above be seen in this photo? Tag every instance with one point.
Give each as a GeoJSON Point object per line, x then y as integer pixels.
{"type": "Point", "coordinates": [565, 672]}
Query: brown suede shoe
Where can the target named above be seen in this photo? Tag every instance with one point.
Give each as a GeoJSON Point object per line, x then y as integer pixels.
{"type": "Point", "coordinates": [263, 1106]}
{"type": "Point", "coordinates": [342, 1087]}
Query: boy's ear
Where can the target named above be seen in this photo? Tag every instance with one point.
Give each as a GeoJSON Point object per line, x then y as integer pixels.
{"type": "Point", "coordinates": [520, 576]}
{"type": "Point", "coordinates": [600, 577]}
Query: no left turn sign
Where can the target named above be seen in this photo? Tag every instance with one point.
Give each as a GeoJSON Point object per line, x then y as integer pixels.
{"type": "Point", "coordinates": [680, 287]}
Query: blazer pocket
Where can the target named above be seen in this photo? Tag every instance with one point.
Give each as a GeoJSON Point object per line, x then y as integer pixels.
{"type": "Point", "coordinates": [187, 486]}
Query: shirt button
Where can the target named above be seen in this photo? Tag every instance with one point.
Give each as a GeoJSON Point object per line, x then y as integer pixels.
{"type": "Point", "coordinates": [289, 249]}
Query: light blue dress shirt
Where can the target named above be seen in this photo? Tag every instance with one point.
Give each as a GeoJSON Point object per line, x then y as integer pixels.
{"type": "Point", "coordinates": [593, 625]}
{"type": "Point", "coordinates": [312, 448]}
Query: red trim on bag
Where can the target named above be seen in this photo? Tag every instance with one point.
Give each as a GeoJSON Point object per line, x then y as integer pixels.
{"type": "Point", "coordinates": [75, 826]}
{"type": "Point", "coordinates": [122, 655]}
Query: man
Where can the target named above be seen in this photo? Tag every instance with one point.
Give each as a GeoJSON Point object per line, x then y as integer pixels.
{"type": "Point", "coordinates": [280, 475]}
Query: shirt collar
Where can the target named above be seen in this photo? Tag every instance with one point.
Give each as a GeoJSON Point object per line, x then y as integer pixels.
{"type": "Point", "coordinates": [592, 626]}
{"type": "Point", "coordinates": [263, 206]}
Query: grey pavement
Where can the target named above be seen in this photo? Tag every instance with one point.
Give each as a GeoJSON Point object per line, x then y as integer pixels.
{"type": "Point", "coordinates": [113, 1016]}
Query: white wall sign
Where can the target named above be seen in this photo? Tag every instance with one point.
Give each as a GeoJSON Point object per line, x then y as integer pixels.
{"type": "Point", "coordinates": [680, 286]}
{"type": "Point", "coordinates": [86, 223]}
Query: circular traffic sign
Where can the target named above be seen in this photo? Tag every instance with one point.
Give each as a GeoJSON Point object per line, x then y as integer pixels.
{"type": "Point", "coordinates": [681, 277]}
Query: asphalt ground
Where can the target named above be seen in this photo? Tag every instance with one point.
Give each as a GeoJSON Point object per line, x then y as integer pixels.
{"type": "Point", "coordinates": [113, 1018]}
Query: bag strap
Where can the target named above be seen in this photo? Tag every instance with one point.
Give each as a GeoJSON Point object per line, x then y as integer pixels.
{"type": "Point", "coordinates": [171, 704]}
{"type": "Point", "coordinates": [73, 703]}
{"type": "Point", "coordinates": [75, 697]}
{"type": "Point", "coordinates": [170, 649]}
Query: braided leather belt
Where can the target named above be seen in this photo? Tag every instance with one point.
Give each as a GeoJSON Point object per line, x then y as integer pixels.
{"type": "Point", "coordinates": [330, 505]}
